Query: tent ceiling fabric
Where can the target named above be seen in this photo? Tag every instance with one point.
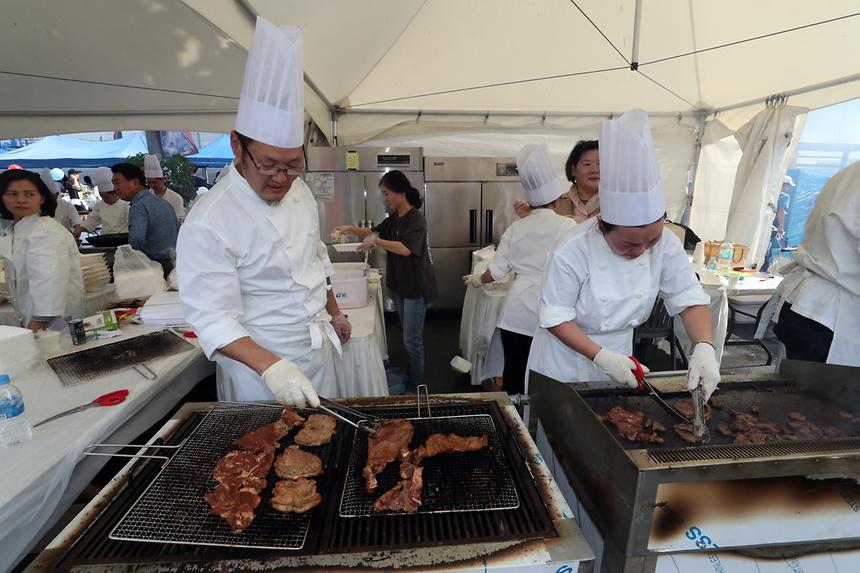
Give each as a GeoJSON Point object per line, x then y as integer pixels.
{"type": "Point", "coordinates": [177, 64]}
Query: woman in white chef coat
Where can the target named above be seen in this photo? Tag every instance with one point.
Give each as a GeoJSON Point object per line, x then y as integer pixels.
{"type": "Point", "coordinates": [41, 260]}
{"type": "Point", "coordinates": [603, 278]}
{"type": "Point", "coordinates": [523, 250]}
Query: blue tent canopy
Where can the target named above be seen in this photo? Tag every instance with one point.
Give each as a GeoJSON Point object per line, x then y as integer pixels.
{"type": "Point", "coordinates": [216, 154]}
{"type": "Point", "coordinates": [65, 151]}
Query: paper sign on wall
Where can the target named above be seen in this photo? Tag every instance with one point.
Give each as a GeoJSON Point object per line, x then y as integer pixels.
{"type": "Point", "coordinates": [352, 161]}
{"type": "Point", "coordinates": [321, 185]}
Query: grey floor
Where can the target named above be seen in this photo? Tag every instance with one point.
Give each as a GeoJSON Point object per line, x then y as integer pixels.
{"type": "Point", "coordinates": [442, 337]}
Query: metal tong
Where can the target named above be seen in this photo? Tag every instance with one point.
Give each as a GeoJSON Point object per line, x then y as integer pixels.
{"type": "Point", "coordinates": [700, 429]}
{"type": "Point", "coordinates": [645, 386]}
{"type": "Point", "coordinates": [366, 423]}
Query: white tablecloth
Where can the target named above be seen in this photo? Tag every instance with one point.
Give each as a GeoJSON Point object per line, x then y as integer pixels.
{"type": "Point", "coordinates": [41, 478]}
{"type": "Point", "coordinates": [361, 369]}
{"type": "Point", "coordinates": [481, 308]}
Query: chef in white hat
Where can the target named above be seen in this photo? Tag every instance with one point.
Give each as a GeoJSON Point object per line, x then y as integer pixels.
{"type": "Point", "coordinates": [66, 214]}
{"type": "Point", "coordinates": [252, 270]}
{"type": "Point", "coordinates": [110, 212]}
{"type": "Point", "coordinates": [155, 181]}
{"type": "Point", "coordinates": [603, 278]}
{"type": "Point", "coordinates": [523, 250]}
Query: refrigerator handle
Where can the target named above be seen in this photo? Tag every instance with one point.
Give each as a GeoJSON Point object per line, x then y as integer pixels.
{"type": "Point", "coordinates": [473, 226]}
{"type": "Point", "coordinates": [489, 227]}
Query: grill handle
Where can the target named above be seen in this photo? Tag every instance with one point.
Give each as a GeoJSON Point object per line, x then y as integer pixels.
{"type": "Point", "coordinates": [88, 451]}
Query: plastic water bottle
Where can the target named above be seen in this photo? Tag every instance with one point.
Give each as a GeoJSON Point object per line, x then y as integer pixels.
{"type": "Point", "coordinates": [14, 425]}
{"type": "Point", "coordinates": [725, 257]}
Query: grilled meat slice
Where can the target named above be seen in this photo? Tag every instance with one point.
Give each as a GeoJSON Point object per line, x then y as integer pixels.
{"type": "Point", "coordinates": [318, 430]}
{"type": "Point", "coordinates": [390, 443]}
{"type": "Point", "coordinates": [263, 439]}
{"type": "Point", "coordinates": [686, 433]}
{"type": "Point", "coordinates": [686, 408]}
{"type": "Point", "coordinates": [295, 496]}
{"type": "Point", "coordinates": [295, 463]}
{"type": "Point", "coordinates": [440, 444]}
{"type": "Point", "coordinates": [633, 426]}
{"type": "Point", "coordinates": [289, 420]}
{"type": "Point", "coordinates": [244, 470]}
{"type": "Point", "coordinates": [236, 506]}
{"type": "Point", "coordinates": [406, 495]}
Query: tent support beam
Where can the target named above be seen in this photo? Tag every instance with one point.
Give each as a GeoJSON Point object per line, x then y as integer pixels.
{"type": "Point", "coordinates": [482, 115]}
{"type": "Point", "coordinates": [694, 168]}
{"type": "Point", "coordinates": [637, 20]}
{"type": "Point", "coordinates": [788, 94]}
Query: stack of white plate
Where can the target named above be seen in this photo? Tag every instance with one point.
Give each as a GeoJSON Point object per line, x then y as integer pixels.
{"type": "Point", "coordinates": [96, 273]}
{"type": "Point", "coordinates": [4, 290]}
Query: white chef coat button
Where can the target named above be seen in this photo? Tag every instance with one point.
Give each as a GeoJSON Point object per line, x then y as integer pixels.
{"type": "Point", "coordinates": [638, 295]}
{"type": "Point", "coordinates": [634, 323]}
{"type": "Point", "coordinates": [601, 268]}
{"type": "Point", "coordinates": [604, 327]}
{"type": "Point", "coordinates": [604, 298]}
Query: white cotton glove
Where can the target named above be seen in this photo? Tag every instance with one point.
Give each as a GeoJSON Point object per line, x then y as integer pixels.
{"type": "Point", "coordinates": [618, 367]}
{"type": "Point", "coordinates": [342, 327]}
{"type": "Point", "coordinates": [474, 280]}
{"type": "Point", "coordinates": [368, 243]}
{"type": "Point", "coordinates": [290, 385]}
{"type": "Point", "coordinates": [704, 367]}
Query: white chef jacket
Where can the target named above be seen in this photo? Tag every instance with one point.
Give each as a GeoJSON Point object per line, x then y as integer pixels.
{"type": "Point", "coordinates": [249, 268]}
{"type": "Point", "coordinates": [607, 296]}
{"type": "Point", "coordinates": [113, 218]}
{"type": "Point", "coordinates": [175, 200]}
{"type": "Point", "coordinates": [44, 274]}
{"type": "Point", "coordinates": [66, 214]}
{"type": "Point", "coordinates": [823, 281]}
{"type": "Point", "coordinates": [523, 250]}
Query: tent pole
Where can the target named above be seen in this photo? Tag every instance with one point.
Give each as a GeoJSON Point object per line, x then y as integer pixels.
{"type": "Point", "coordinates": [333, 126]}
{"type": "Point", "coordinates": [484, 114]}
{"type": "Point", "coordinates": [788, 94]}
{"type": "Point", "coordinates": [637, 19]}
{"type": "Point", "coordinates": [694, 168]}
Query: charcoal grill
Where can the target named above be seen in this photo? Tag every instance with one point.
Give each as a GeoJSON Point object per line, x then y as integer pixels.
{"type": "Point", "coordinates": [538, 525]}
{"type": "Point", "coordinates": [624, 486]}
{"type": "Point", "coordinates": [93, 363]}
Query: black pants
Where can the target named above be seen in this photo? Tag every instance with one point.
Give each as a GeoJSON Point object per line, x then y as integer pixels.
{"type": "Point", "coordinates": [804, 339]}
{"type": "Point", "coordinates": [516, 348]}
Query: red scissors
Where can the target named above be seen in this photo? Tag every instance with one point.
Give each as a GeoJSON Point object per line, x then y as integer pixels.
{"type": "Point", "coordinates": [110, 399]}
{"type": "Point", "coordinates": [644, 386]}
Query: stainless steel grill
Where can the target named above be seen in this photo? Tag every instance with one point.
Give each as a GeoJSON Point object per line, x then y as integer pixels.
{"type": "Point", "coordinates": [750, 451]}
{"type": "Point", "coordinates": [172, 508]}
{"type": "Point", "coordinates": [93, 363]}
{"type": "Point", "coordinates": [453, 482]}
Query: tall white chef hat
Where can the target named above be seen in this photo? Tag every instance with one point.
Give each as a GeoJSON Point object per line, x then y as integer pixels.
{"type": "Point", "coordinates": [542, 184]}
{"type": "Point", "coordinates": [152, 167]}
{"type": "Point", "coordinates": [272, 103]}
{"type": "Point", "coordinates": [103, 179]}
{"type": "Point", "coordinates": [45, 175]}
{"type": "Point", "coordinates": [630, 190]}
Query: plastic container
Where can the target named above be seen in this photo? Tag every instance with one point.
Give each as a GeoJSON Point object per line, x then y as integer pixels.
{"type": "Point", "coordinates": [725, 258]}
{"type": "Point", "coordinates": [349, 284]}
{"type": "Point", "coordinates": [14, 426]}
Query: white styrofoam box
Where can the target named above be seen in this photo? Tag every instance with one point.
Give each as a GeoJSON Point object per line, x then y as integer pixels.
{"type": "Point", "coordinates": [349, 284]}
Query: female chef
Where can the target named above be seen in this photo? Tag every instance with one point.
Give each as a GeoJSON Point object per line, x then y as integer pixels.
{"type": "Point", "coordinates": [41, 259]}
{"type": "Point", "coordinates": [603, 278]}
{"type": "Point", "coordinates": [523, 250]}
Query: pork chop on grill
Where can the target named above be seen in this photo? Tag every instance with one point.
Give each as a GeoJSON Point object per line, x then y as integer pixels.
{"type": "Point", "coordinates": [686, 408]}
{"type": "Point", "coordinates": [634, 426]}
{"type": "Point", "coordinates": [406, 495]}
{"type": "Point", "coordinates": [390, 443]}
{"type": "Point", "coordinates": [318, 430]}
{"type": "Point", "coordinates": [441, 443]}
{"type": "Point", "coordinates": [263, 439]}
{"type": "Point", "coordinates": [289, 419]}
{"type": "Point", "coordinates": [295, 496]}
{"type": "Point", "coordinates": [244, 470]}
{"type": "Point", "coordinates": [295, 463]}
{"type": "Point", "coordinates": [236, 506]}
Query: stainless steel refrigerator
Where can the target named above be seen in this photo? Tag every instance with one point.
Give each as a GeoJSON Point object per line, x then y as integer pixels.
{"type": "Point", "coordinates": [469, 205]}
{"type": "Point", "coordinates": [345, 181]}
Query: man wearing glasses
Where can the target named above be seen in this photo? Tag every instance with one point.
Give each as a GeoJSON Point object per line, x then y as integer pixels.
{"type": "Point", "coordinates": [253, 272]}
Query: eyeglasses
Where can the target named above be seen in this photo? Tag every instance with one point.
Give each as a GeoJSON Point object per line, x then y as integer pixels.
{"type": "Point", "coordinates": [274, 170]}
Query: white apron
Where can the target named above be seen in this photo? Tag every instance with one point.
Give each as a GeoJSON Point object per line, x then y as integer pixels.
{"type": "Point", "coordinates": [520, 310]}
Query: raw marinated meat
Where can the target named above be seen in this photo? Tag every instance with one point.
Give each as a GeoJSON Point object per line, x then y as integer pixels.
{"type": "Point", "coordinates": [289, 420]}
{"type": "Point", "coordinates": [405, 496]}
{"type": "Point", "coordinates": [390, 443]}
{"type": "Point", "coordinates": [244, 470]}
{"type": "Point", "coordinates": [318, 430]}
{"type": "Point", "coordinates": [633, 425]}
{"type": "Point", "coordinates": [295, 496]}
{"type": "Point", "coordinates": [755, 409]}
{"type": "Point", "coordinates": [295, 463]}
{"type": "Point", "coordinates": [236, 506]}
{"type": "Point", "coordinates": [440, 444]}
{"type": "Point", "coordinates": [263, 439]}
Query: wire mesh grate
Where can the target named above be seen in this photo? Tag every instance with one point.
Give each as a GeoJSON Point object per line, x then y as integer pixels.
{"type": "Point", "coordinates": [453, 482]}
{"type": "Point", "coordinates": [172, 508]}
{"type": "Point", "coordinates": [95, 362]}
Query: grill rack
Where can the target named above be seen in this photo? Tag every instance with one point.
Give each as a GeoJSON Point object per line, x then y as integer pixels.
{"type": "Point", "coordinates": [172, 508]}
{"type": "Point", "coordinates": [453, 482]}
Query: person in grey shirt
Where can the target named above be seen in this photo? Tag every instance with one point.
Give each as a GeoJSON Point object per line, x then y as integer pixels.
{"type": "Point", "coordinates": [152, 224]}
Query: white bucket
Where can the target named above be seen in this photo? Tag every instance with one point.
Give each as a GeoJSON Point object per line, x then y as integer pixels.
{"type": "Point", "coordinates": [349, 284]}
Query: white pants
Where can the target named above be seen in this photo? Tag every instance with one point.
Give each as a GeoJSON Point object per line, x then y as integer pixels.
{"type": "Point", "coordinates": [237, 382]}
